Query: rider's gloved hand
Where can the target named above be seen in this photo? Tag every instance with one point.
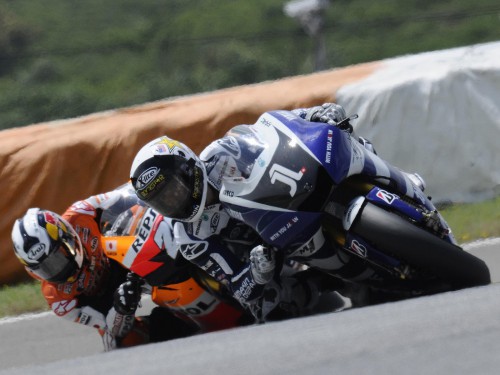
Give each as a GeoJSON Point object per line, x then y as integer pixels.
{"type": "Point", "coordinates": [128, 295]}
{"type": "Point", "coordinates": [330, 113]}
{"type": "Point", "coordinates": [262, 263]}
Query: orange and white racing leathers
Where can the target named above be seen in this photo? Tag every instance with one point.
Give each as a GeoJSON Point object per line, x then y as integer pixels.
{"type": "Point", "coordinates": [88, 297]}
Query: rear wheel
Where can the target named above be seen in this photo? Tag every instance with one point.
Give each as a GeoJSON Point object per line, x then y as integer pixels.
{"type": "Point", "coordinates": [419, 248]}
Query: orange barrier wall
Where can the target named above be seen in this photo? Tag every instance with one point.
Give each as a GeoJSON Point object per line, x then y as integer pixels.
{"type": "Point", "coordinates": [54, 164]}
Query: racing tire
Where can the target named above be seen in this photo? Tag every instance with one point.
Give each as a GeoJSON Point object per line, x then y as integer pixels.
{"type": "Point", "coordinates": [419, 248]}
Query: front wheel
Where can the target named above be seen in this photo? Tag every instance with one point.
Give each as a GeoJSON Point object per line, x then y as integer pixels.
{"type": "Point", "coordinates": [393, 234]}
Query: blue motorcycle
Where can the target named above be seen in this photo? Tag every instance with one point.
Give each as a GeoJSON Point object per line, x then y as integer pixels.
{"type": "Point", "coordinates": [301, 174]}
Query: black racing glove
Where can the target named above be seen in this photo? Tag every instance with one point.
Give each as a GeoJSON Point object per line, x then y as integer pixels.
{"type": "Point", "coordinates": [128, 295]}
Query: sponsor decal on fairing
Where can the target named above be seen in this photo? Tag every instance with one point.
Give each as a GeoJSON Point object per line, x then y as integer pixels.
{"type": "Point", "coordinates": [111, 247]}
{"type": "Point", "coordinates": [144, 229]}
{"type": "Point", "coordinates": [284, 228]}
{"type": "Point", "coordinates": [329, 147]}
{"type": "Point", "coordinates": [286, 176]}
{"type": "Point", "coordinates": [358, 248]}
{"type": "Point", "coordinates": [386, 196]}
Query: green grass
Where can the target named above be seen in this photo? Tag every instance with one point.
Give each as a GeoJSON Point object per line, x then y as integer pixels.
{"type": "Point", "coordinates": [23, 298]}
{"type": "Point", "coordinates": [468, 221]}
{"type": "Point", "coordinates": [474, 221]}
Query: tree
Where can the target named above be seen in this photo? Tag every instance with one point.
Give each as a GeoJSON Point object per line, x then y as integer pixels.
{"type": "Point", "coordinates": [14, 40]}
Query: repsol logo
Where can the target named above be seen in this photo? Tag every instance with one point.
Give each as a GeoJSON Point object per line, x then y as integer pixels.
{"type": "Point", "coordinates": [144, 229]}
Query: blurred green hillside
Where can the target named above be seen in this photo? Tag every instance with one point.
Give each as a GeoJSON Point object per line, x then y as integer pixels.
{"type": "Point", "coordinates": [66, 58]}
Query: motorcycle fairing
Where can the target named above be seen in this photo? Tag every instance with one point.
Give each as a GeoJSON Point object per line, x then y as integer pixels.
{"type": "Point", "coordinates": [393, 203]}
{"type": "Point", "coordinates": [342, 155]}
{"type": "Point", "coordinates": [279, 228]}
{"type": "Point", "coordinates": [295, 150]}
{"type": "Point", "coordinates": [358, 246]}
{"type": "Point", "coordinates": [292, 175]}
{"type": "Point", "coordinates": [149, 251]}
{"type": "Point", "coordinates": [268, 200]}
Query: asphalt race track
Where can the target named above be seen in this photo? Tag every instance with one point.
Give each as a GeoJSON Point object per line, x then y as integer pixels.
{"type": "Point", "coordinates": [451, 333]}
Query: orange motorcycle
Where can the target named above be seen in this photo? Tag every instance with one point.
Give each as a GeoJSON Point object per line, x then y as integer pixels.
{"type": "Point", "coordinates": [141, 240]}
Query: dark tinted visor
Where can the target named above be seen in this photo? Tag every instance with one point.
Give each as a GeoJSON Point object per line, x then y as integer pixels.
{"type": "Point", "coordinates": [58, 266]}
{"type": "Point", "coordinates": [173, 200]}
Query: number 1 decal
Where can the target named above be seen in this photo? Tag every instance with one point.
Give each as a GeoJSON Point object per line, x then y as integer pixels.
{"type": "Point", "coordinates": [286, 176]}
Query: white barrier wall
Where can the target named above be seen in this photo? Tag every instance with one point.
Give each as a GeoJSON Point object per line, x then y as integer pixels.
{"type": "Point", "coordinates": [437, 113]}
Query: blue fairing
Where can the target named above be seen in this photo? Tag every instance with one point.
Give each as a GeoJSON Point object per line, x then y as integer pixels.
{"type": "Point", "coordinates": [329, 144]}
{"type": "Point", "coordinates": [277, 228]}
{"type": "Point", "coordinates": [342, 156]}
{"type": "Point", "coordinates": [284, 188]}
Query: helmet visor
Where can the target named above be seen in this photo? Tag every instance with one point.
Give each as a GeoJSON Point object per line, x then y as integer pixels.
{"type": "Point", "coordinates": [172, 185]}
{"type": "Point", "coordinates": [59, 265]}
{"type": "Point", "coordinates": [173, 200]}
